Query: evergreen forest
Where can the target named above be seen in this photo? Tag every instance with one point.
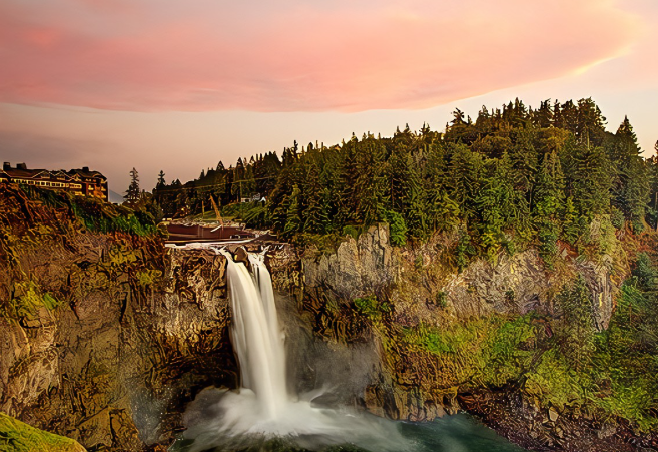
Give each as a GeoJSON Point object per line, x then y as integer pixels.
{"type": "Point", "coordinates": [512, 177]}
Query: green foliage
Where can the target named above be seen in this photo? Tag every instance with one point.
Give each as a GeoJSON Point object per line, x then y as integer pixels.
{"type": "Point", "coordinates": [555, 383]}
{"type": "Point", "coordinates": [398, 228]}
{"type": "Point", "coordinates": [515, 177]}
{"type": "Point", "coordinates": [148, 277]}
{"type": "Point", "coordinates": [293, 218]}
{"type": "Point", "coordinates": [442, 299]}
{"type": "Point", "coordinates": [617, 218]}
{"type": "Point", "coordinates": [646, 274]}
{"type": "Point", "coordinates": [26, 301]}
{"type": "Point", "coordinates": [371, 307]}
{"type": "Point", "coordinates": [464, 249]}
{"type": "Point", "coordinates": [351, 231]}
{"type": "Point", "coordinates": [20, 437]}
{"type": "Point", "coordinates": [485, 351]}
{"type": "Point", "coordinates": [133, 194]}
{"type": "Point", "coordinates": [576, 334]}
{"type": "Point", "coordinates": [96, 215]}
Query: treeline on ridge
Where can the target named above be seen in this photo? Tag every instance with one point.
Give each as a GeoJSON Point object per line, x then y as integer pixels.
{"type": "Point", "coordinates": [512, 176]}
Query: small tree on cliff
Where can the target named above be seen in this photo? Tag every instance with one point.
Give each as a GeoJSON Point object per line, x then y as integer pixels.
{"type": "Point", "coordinates": [133, 194]}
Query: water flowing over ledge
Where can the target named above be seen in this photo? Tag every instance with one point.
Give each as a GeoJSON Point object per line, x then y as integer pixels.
{"type": "Point", "coordinates": [263, 408]}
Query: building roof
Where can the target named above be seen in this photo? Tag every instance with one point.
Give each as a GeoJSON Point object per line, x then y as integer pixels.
{"type": "Point", "coordinates": [85, 172]}
{"type": "Point", "coordinates": [21, 171]}
{"type": "Point", "coordinates": [18, 172]}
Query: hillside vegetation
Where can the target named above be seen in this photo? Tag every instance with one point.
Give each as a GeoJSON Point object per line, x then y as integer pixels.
{"type": "Point", "coordinates": [512, 177]}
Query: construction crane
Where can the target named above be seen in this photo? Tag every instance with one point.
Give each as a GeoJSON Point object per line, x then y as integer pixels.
{"type": "Point", "coordinates": [214, 206]}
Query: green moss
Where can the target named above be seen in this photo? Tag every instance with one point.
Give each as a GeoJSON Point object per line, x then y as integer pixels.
{"type": "Point", "coordinates": [397, 227]}
{"type": "Point", "coordinates": [351, 231]}
{"type": "Point", "coordinates": [371, 307]}
{"type": "Point", "coordinates": [555, 383]}
{"type": "Point", "coordinates": [148, 277]}
{"type": "Point", "coordinates": [486, 351]}
{"type": "Point", "coordinates": [510, 348]}
{"type": "Point", "coordinates": [442, 299]}
{"type": "Point", "coordinates": [28, 299]}
{"type": "Point", "coordinates": [95, 214]}
{"type": "Point", "coordinates": [19, 437]}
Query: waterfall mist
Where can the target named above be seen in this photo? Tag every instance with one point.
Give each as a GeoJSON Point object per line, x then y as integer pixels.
{"type": "Point", "coordinates": [263, 408]}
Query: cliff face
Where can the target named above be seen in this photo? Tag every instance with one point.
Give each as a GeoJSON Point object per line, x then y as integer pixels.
{"type": "Point", "coordinates": [358, 268]}
{"type": "Point", "coordinates": [105, 337]}
{"type": "Point", "coordinates": [101, 333]}
{"type": "Point", "coordinates": [419, 281]}
{"type": "Point", "coordinates": [490, 339]}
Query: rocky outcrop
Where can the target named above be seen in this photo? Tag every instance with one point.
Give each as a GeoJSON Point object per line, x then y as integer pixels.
{"type": "Point", "coordinates": [103, 337]}
{"type": "Point", "coordinates": [119, 343]}
{"type": "Point", "coordinates": [421, 280]}
{"type": "Point", "coordinates": [521, 284]}
{"type": "Point", "coordinates": [438, 331]}
{"type": "Point", "coordinates": [358, 268]}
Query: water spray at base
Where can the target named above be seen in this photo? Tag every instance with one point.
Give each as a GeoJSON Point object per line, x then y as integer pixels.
{"type": "Point", "coordinates": [262, 409]}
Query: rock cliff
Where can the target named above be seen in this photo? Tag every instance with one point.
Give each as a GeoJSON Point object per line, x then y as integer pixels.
{"type": "Point", "coordinates": [105, 336]}
{"type": "Point", "coordinates": [419, 279]}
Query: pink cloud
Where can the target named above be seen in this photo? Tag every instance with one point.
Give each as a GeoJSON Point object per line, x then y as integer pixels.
{"type": "Point", "coordinates": [294, 55]}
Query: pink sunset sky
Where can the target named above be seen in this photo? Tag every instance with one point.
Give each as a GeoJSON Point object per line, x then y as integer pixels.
{"type": "Point", "coordinates": [178, 86]}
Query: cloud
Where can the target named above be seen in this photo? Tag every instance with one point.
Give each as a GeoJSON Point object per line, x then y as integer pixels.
{"type": "Point", "coordinates": [294, 55]}
{"type": "Point", "coordinates": [43, 151]}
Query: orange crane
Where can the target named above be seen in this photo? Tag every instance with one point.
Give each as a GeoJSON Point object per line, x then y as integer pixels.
{"type": "Point", "coordinates": [214, 206]}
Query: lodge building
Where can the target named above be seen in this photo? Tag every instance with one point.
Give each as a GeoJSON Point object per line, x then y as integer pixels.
{"type": "Point", "coordinates": [80, 181]}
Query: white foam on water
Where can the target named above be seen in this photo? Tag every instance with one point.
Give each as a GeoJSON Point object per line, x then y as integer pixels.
{"type": "Point", "coordinates": [262, 408]}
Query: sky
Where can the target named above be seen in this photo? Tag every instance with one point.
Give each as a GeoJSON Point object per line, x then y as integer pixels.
{"type": "Point", "coordinates": [178, 86]}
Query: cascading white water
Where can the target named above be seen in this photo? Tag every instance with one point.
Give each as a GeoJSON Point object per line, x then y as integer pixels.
{"type": "Point", "coordinates": [263, 282]}
{"type": "Point", "coordinates": [254, 330]}
{"type": "Point", "coordinates": [262, 408]}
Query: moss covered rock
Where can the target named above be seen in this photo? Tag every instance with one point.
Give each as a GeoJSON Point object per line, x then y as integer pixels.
{"type": "Point", "coordinates": [17, 436]}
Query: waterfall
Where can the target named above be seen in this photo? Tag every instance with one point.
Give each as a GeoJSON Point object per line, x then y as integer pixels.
{"type": "Point", "coordinates": [255, 333]}
{"type": "Point", "coordinates": [263, 282]}
{"type": "Point", "coordinates": [262, 408]}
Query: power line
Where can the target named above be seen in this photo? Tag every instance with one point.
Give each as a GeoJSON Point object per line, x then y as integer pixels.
{"type": "Point", "coordinates": [182, 187]}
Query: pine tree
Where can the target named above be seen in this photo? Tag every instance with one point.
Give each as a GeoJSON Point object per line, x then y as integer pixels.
{"type": "Point", "coordinates": [293, 219]}
{"type": "Point", "coordinates": [571, 227]}
{"type": "Point", "coordinates": [159, 192]}
{"type": "Point", "coordinates": [576, 335]}
{"type": "Point", "coordinates": [633, 188]}
{"type": "Point", "coordinates": [499, 205]}
{"type": "Point", "coordinates": [590, 128]}
{"type": "Point", "coordinates": [549, 197]}
{"type": "Point", "coordinates": [413, 202]}
{"type": "Point", "coordinates": [371, 181]}
{"type": "Point", "coordinates": [313, 194]}
{"type": "Point", "coordinates": [524, 162]}
{"type": "Point", "coordinates": [444, 212]}
{"type": "Point", "coordinates": [464, 178]}
{"type": "Point", "coordinates": [543, 116]}
{"type": "Point", "coordinates": [591, 180]}
{"type": "Point", "coordinates": [133, 194]}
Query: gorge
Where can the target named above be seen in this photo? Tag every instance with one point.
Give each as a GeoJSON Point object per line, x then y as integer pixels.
{"type": "Point", "coordinates": [114, 337]}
